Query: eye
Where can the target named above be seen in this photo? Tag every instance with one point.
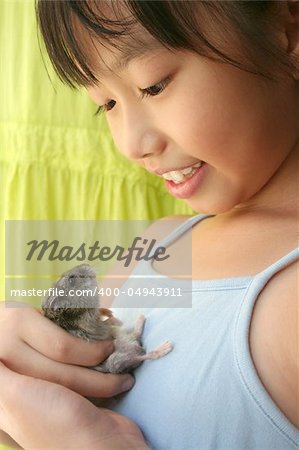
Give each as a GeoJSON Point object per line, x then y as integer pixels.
{"type": "Point", "coordinates": [105, 108]}
{"type": "Point", "coordinates": [155, 89]}
{"type": "Point", "coordinates": [71, 280]}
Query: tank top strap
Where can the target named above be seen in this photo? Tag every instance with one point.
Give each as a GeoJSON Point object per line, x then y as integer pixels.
{"type": "Point", "coordinates": [181, 229]}
{"type": "Point", "coordinates": [278, 265]}
{"type": "Point", "coordinates": [242, 351]}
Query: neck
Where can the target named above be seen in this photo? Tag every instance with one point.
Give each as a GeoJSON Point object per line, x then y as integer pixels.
{"type": "Point", "coordinates": [279, 195]}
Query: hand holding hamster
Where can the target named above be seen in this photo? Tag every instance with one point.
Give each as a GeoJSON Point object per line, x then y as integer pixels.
{"type": "Point", "coordinates": [78, 312]}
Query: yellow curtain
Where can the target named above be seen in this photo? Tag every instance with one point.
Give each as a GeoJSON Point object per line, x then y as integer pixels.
{"type": "Point", "coordinates": [57, 161]}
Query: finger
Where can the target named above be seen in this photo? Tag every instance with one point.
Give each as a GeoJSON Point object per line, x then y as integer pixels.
{"type": "Point", "coordinates": [84, 381]}
{"type": "Point", "coordinates": [55, 343]}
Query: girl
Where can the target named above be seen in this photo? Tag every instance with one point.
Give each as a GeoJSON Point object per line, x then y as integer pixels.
{"type": "Point", "coordinates": [204, 94]}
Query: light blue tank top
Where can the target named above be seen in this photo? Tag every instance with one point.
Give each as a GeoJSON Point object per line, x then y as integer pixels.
{"type": "Point", "coordinates": [205, 394]}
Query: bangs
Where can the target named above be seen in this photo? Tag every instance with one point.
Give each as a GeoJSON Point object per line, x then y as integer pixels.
{"type": "Point", "coordinates": [240, 33]}
{"type": "Point", "coordinates": [73, 31]}
{"type": "Point", "coordinates": [70, 30]}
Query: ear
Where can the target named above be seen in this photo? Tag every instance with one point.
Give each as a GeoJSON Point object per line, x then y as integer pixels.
{"type": "Point", "coordinates": [292, 27]}
{"type": "Point", "coordinates": [291, 30]}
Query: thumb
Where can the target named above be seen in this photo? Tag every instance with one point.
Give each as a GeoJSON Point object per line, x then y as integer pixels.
{"type": "Point", "coordinates": [8, 397]}
{"type": "Point", "coordinates": [22, 401]}
{"type": "Point", "coordinates": [13, 388]}
{"type": "Point", "coordinates": [31, 408]}
{"type": "Point", "coordinates": [39, 414]}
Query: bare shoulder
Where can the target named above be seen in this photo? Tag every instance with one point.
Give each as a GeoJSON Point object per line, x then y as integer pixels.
{"type": "Point", "coordinates": [274, 340]}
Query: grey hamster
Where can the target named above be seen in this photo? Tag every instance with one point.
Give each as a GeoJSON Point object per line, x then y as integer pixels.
{"type": "Point", "coordinates": [78, 311]}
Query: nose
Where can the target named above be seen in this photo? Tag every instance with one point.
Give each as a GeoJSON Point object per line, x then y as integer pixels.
{"type": "Point", "coordinates": [150, 144]}
{"type": "Point", "coordinates": [139, 138]}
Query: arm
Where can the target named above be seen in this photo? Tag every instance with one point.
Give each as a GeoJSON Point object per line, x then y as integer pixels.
{"type": "Point", "coordinates": [35, 354]}
{"type": "Point", "coordinates": [39, 414]}
{"type": "Point", "coordinates": [34, 346]}
{"type": "Point", "coordinates": [274, 340]}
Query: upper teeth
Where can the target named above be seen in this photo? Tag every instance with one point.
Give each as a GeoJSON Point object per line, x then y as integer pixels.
{"type": "Point", "coordinates": [177, 176]}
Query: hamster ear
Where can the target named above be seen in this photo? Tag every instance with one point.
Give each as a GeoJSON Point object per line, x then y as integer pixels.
{"type": "Point", "coordinates": [53, 302]}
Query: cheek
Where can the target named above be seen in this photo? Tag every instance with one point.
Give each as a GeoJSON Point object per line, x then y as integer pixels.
{"type": "Point", "coordinates": [92, 92]}
{"type": "Point", "coordinates": [203, 127]}
{"type": "Point", "coordinates": [116, 133]}
{"type": "Point", "coordinates": [223, 124]}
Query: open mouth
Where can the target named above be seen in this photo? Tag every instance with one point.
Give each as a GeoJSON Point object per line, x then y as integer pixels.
{"type": "Point", "coordinates": [184, 183]}
{"type": "Point", "coordinates": [180, 176]}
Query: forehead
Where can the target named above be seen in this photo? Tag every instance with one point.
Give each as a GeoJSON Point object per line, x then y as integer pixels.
{"type": "Point", "coordinates": [117, 58]}
{"type": "Point", "coordinates": [104, 53]}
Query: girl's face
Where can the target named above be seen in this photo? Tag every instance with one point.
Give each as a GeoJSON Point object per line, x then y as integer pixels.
{"type": "Point", "coordinates": [174, 110]}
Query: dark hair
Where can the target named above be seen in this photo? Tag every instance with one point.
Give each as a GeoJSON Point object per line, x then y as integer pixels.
{"type": "Point", "coordinates": [185, 24]}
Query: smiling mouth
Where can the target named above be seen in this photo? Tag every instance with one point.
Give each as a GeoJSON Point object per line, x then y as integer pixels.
{"type": "Point", "coordinates": [180, 176]}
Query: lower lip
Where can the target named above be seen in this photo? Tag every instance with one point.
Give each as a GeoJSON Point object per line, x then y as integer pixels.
{"type": "Point", "coordinates": [188, 187]}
